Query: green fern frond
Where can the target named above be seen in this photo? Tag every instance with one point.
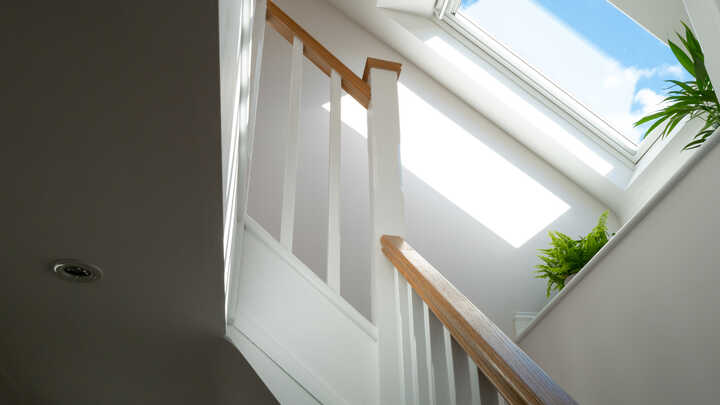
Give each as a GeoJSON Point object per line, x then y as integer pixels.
{"type": "Point", "coordinates": [567, 256]}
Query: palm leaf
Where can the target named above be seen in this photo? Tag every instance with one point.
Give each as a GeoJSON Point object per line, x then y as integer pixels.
{"type": "Point", "coordinates": [689, 99]}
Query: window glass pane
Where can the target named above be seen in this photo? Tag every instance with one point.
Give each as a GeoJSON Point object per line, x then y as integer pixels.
{"type": "Point", "coordinates": [588, 48]}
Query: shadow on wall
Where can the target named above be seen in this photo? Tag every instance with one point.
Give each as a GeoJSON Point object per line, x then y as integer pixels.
{"type": "Point", "coordinates": [478, 203]}
{"type": "Point", "coordinates": [465, 171]}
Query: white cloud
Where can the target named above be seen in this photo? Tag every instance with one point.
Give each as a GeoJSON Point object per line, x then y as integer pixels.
{"type": "Point", "coordinates": [649, 101]}
{"type": "Point", "coordinates": [595, 78]}
{"type": "Point", "coordinates": [673, 70]}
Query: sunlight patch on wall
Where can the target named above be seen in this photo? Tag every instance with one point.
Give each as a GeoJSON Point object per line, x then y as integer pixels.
{"type": "Point", "coordinates": [524, 109]}
{"type": "Point", "coordinates": [465, 171]}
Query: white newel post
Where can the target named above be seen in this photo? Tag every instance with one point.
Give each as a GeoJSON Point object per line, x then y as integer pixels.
{"type": "Point", "coordinates": [388, 217]}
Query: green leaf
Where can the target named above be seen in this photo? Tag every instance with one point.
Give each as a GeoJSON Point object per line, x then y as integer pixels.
{"type": "Point", "coordinates": [690, 99]}
{"type": "Point", "coordinates": [683, 58]}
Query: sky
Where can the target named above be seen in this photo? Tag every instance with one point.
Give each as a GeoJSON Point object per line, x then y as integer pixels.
{"type": "Point", "coordinates": [590, 49]}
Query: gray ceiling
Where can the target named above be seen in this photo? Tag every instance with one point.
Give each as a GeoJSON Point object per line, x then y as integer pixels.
{"type": "Point", "coordinates": [111, 154]}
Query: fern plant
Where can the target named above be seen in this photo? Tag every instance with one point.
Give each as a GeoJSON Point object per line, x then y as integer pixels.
{"type": "Point", "coordinates": [567, 255]}
{"type": "Point", "coordinates": [689, 99]}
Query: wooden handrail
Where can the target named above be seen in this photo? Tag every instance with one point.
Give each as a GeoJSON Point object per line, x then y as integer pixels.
{"type": "Point", "coordinates": [513, 373]}
{"type": "Point", "coordinates": [358, 88]}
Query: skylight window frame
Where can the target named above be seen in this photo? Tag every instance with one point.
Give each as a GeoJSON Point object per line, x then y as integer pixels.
{"type": "Point", "coordinates": [546, 90]}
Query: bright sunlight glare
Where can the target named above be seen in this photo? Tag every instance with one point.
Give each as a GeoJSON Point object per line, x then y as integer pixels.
{"type": "Point", "coordinates": [525, 109]}
{"type": "Point", "coordinates": [465, 171]}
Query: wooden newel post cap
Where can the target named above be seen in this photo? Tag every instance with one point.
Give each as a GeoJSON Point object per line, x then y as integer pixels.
{"type": "Point", "coordinates": [373, 63]}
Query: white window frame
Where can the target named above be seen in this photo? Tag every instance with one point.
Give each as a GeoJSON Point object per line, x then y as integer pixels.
{"type": "Point", "coordinates": [551, 94]}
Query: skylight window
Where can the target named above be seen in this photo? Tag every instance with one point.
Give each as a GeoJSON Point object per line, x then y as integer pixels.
{"type": "Point", "coordinates": [589, 56]}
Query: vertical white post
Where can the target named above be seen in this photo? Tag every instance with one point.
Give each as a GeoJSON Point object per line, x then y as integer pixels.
{"type": "Point", "coordinates": [333, 248]}
{"type": "Point", "coordinates": [287, 222]}
{"type": "Point", "coordinates": [462, 374]}
{"type": "Point", "coordinates": [447, 343]}
{"type": "Point", "coordinates": [424, 351]}
{"type": "Point", "coordinates": [387, 216]}
{"type": "Point", "coordinates": [474, 381]}
{"type": "Point", "coordinates": [441, 357]}
{"type": "Point", "coordinates": [410, 347]}
{"type": "Point", "coordinates": [488, 393]}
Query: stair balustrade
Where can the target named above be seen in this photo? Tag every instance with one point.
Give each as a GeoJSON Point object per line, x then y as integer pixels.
{"type": "Point", "coordinates": [434, 346]}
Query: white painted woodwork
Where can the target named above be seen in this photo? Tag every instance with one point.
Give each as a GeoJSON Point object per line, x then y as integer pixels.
{"type": "Point", "coordinates": [443, 375]}
{"type": "Point", "coordinates": [287, 222]}
{"type": "Point", "coordinates": [302, 325]}
{"type": "Point", "coordinates": [282, 385]}
{"type": "Point", "coordinates": [426, 385]}
{"type": "Point", "coordinates": [488, 393]}
{"type": "Point", "coordinates": [387, 217]}
{"type": "Point", "coordinates": [333, 247]}
{"type": "Point", "coordinates": [410, 347]}
{"type": "Point", "coordinates": [238, 117]}
{"type": "Point", "coordinates": [462, 374]}
{"type": "Point", "coordinates": [449, 365]}
{"type": "Point", "coordinates": [474, 383]}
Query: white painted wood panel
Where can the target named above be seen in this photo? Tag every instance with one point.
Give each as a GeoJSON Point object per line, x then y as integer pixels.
{"type": "Point", "coordinates": [293, 316]}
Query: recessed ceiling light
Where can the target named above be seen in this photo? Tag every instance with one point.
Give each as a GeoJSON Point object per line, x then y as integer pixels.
{"type": "Point", "coordinates": [74, 270]}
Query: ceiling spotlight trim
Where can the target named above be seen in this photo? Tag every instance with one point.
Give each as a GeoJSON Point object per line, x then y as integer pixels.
{"type": "Point", "coordinates": [75, 270]}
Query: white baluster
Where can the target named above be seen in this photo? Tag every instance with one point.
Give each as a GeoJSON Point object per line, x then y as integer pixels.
{"type": "Point", "coordinates": [474, 383]}
{"type": "Point", "coordinates": [410, 348]}
{"type": "Point", "coordinates": [442, 362]}
{"type": "Point", "coordinates": [287, 223]}
{"type": "Point", "coordinates": [447, 344]}
{"type": "Point", "coordinates": [424, 351]}
{"type": "Point", "coordinates": [387, 216]}
{"type": "Point", "coordinates": [463, 393]}
{"type": "Point", "coordinates": [488, 394]}
{"type": "Point", "coordinates": [333, 248]}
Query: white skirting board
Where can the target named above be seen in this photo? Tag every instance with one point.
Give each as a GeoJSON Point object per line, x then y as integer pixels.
{"type": "Point", "coordinates": [285, 389]}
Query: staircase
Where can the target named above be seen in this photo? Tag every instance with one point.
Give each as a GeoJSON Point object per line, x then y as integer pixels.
{"type": "Point", "coordinates": [425, 342]}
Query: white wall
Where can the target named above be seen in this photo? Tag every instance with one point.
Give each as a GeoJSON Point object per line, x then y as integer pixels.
{"type": "Point", "coordinates": [642, 327]}
{"type": "Point", "coordinates": [496, 276]}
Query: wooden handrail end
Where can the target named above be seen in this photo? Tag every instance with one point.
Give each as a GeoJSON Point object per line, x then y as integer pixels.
{"type": "Point", "coordinates": [392, 241]}
{"type": "Point", "coordinates": [374, 63]}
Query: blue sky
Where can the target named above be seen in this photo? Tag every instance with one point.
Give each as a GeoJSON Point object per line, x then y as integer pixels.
{"type": "Point", "coordinates": [608, 30]}
{"type": "Point", "coordinates": [615, 34]}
